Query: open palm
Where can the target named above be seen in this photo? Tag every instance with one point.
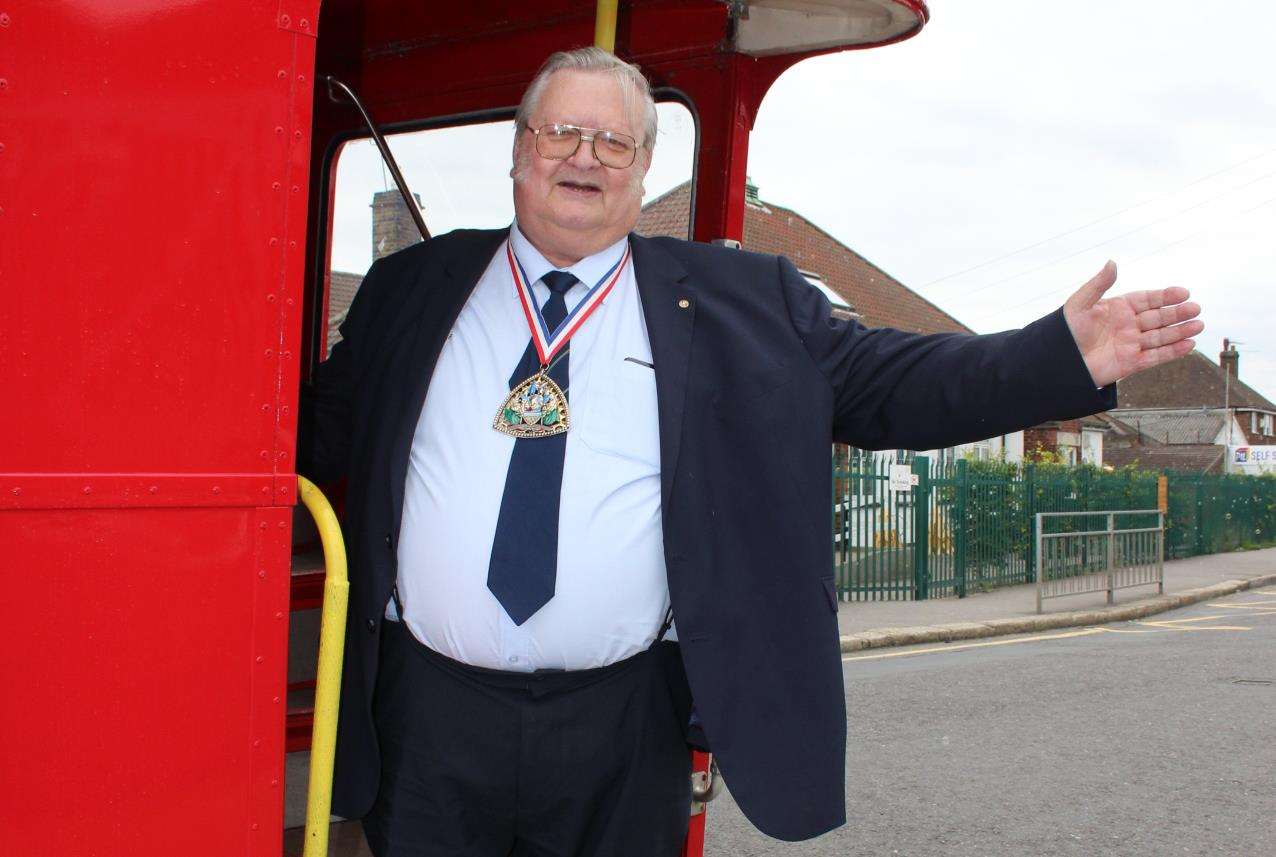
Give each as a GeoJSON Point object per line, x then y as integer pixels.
{"type": "Point", "coordinates": [1121, 335]}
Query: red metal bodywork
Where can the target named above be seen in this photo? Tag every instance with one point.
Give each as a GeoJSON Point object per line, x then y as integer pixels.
{"type": "Point", "coordinates": [164, 210]}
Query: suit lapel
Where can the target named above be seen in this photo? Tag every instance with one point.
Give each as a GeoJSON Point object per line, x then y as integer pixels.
{"type": "Point", "coordinates": [444, 299]}
{"type": "Point", "coordinates": [669, 324]}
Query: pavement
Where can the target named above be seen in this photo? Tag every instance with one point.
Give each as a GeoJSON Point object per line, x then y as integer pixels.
{"type": "Point", "coordinates": [1012, 609]}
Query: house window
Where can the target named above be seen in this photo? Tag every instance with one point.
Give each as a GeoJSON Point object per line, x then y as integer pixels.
{"type": "Point", "coordinates": [835, 299]}
{"type": "Point", "coordinates": [1265, 423]}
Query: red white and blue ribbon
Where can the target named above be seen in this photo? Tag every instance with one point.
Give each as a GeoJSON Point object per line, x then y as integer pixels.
{"type": "Point", "coordinates": [550, 342]}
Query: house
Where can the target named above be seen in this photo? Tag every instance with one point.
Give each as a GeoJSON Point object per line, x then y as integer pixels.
{"type": "Point", "coordinates": [393, 229]}
{"type": "Point", "coordinates": [1192, 415]}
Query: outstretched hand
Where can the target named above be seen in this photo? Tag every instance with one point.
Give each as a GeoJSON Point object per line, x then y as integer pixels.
{"type": "Point", "coordinates": [1128, 333]}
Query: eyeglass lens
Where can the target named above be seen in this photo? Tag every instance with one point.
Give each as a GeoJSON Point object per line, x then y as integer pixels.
{"type": "Point", "coordinates": [560, 142]}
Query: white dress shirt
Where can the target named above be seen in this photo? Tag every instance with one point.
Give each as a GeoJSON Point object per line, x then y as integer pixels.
{"type": "Point", "coordinates": [610, 594]}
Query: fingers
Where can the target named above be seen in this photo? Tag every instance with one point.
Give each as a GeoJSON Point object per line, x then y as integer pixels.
{"type": "Point", "coordinates": [1164, 316]}
{"type": "Point", "coordinates": [1165, 353]}
{"type": "Point", "coordinates": [1157, 298]}
{"type": "Point", "coordinates": [1089, 294]}
{"type": "Point", "coordinates": [1169, 334]}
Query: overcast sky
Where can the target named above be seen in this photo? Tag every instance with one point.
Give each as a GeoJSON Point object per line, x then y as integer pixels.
{"type": "Point", "coordinates": [1004, 124]}
{"type": "Point", "coordinates": [992, 163]}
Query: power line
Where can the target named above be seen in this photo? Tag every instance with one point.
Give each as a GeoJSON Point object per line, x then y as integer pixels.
{"type": "Point", "coordinates": [1160, 249]}
{"type": "Point", "coordinates": [1068, 256]}
{"type": "Point", "coordinates": [1106, 217]}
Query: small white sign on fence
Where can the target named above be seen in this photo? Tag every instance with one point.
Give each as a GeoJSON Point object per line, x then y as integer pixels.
{"type": "Point", "coordinates": [902, 477]}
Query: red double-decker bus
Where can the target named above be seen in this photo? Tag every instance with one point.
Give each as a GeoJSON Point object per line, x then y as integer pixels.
{"type": "Point", "coordinates": [169, 183]}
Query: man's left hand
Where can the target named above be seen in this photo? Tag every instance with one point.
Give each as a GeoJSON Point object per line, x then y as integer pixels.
{"type": "Point", "coordinates": [1129, 333]}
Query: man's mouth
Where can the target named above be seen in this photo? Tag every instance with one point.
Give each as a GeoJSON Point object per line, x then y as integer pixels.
{"type": "Point", "coordinates": [580, 188]}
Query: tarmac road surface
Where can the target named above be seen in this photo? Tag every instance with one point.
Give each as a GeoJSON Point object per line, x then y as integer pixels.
{"type": "Point", "coordinates": [1155, 737]}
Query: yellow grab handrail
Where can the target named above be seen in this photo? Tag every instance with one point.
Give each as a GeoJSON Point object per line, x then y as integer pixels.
{"type": "Point", "coordinates": [332, 635]}
{"type": "Point", "coordinates": [605, 25]}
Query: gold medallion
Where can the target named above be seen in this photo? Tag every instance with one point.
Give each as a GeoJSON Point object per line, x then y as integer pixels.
{"type": "Point", "coordinates": [536, 407]}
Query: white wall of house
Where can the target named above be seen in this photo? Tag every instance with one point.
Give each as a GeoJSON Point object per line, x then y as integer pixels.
{"type": "Point", "coordinates": [1011, 445]}
{"type": "Point", "coordinates": [1092, 446]}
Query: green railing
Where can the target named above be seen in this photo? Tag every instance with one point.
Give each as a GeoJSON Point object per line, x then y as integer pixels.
{"type": "Point", "coordinates": [967, 525]}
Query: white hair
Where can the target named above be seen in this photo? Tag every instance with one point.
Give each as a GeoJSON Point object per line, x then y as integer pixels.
{"type": "Point", "coordinates": [599, 61]}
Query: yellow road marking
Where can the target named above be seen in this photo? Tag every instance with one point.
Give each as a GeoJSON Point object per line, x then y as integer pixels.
{"type": "Point", "coordinates": [1128, 630]}
{"type": "Point", "coordinates": [961, 646]}
{"type": "Point", "coordinates": [1179, 621]}
{"type": "Point", "coordinates": [1245, 605]}
{"type": "Point", "coordinates": [1172, 626]}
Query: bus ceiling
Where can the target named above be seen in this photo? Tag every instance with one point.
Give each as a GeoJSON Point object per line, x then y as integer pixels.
{"type": "Point", "coordinates": [453, 58]}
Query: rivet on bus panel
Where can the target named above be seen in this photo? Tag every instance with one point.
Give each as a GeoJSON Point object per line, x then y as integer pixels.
{"type": "Point", "coordinates": [305, 25]}
{"type": "Point", "coordinates": [262, 574]}
{"type": "Point", "coordinates": [282, 74]}
{"type": "Point", "coordinates": [4, 19]}
{"type": "Point", "coordinates": [274, 242]}
{"type": "Point", "coordinates": [88, 489]}
{"type": "Point", "coordinates": [17, 492]}
{"type": "Point", "coordinates": [217, 489]}
{"type": "Point", "coordinates": [284, 20]}
{"type": "Point", "coordinates": [275, 185]}
{"type": "Point", "coordinates": [154, 489]}
{"type": "Point", "coordinates": [260, 659]}
{"type": "Point", "coordinates": [279, 129]}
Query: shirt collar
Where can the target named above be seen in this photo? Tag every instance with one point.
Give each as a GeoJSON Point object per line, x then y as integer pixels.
{"type": "Point", "coordinates": [588, 270]}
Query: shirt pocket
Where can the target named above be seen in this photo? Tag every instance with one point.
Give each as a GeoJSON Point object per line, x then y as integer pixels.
{"type": "Point", "coordinates": [620, 416]}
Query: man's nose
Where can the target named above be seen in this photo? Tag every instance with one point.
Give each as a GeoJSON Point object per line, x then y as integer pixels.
{"type": "Point", "coordinates": [583, 158]}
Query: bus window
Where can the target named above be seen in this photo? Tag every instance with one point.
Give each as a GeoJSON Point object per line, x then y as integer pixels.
{"type": "Point", "coordinates": [459, 175]}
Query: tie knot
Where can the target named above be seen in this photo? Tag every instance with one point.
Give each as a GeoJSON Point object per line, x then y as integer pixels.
{"type": "Point", "coordinates": [559, 281]}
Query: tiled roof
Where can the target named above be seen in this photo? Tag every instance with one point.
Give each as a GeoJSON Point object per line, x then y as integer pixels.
{"type": "Point", "coordinates": [1189, 458]}
{"type": "Point", "coordinates": [879, 298]}
{"type": "Point", "coordinates": [341, 289]}
{"type": "Point", "coordinates": [1170, 426]}
{"type": "Point", "coordinates": [1196, 381]}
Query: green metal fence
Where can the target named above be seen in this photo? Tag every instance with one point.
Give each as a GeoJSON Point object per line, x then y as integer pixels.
{"type": "Point", "coordinates": [949, 528]}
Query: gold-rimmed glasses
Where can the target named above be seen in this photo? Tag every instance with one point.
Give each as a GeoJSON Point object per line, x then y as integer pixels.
{"type": "Point", "coordinates": [558, 142]}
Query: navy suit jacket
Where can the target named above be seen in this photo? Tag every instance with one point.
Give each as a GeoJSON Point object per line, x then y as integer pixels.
{"type": "Point", "coordinates": [755, 379]}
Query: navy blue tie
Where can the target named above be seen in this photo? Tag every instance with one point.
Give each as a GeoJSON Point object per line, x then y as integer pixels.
{"type": "Point", "coordinates": [525, 550]}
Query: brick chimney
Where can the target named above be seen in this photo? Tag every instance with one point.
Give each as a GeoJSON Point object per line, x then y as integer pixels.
{"type": "Point", "coordinates": [392, 225]}
{"type": "Point", "coordinates": [1229, 358]}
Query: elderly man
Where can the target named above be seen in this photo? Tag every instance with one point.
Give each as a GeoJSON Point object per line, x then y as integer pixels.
{"type": "Point", "coordinates": [560, 437]}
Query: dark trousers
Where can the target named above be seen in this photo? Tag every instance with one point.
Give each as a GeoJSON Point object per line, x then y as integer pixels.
{"type": "Point", "coordinates": [487, 763]}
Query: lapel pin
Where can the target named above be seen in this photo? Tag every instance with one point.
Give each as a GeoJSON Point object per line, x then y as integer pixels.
{"type": "Point", "coordinates": [684, 303]}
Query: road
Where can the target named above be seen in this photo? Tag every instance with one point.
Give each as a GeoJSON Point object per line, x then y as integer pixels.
{"type": "Point", "coordinates": [1140, 738]}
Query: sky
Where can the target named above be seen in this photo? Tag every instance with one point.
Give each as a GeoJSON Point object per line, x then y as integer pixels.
{"type": "Point", "coordinates": [992, 163]}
